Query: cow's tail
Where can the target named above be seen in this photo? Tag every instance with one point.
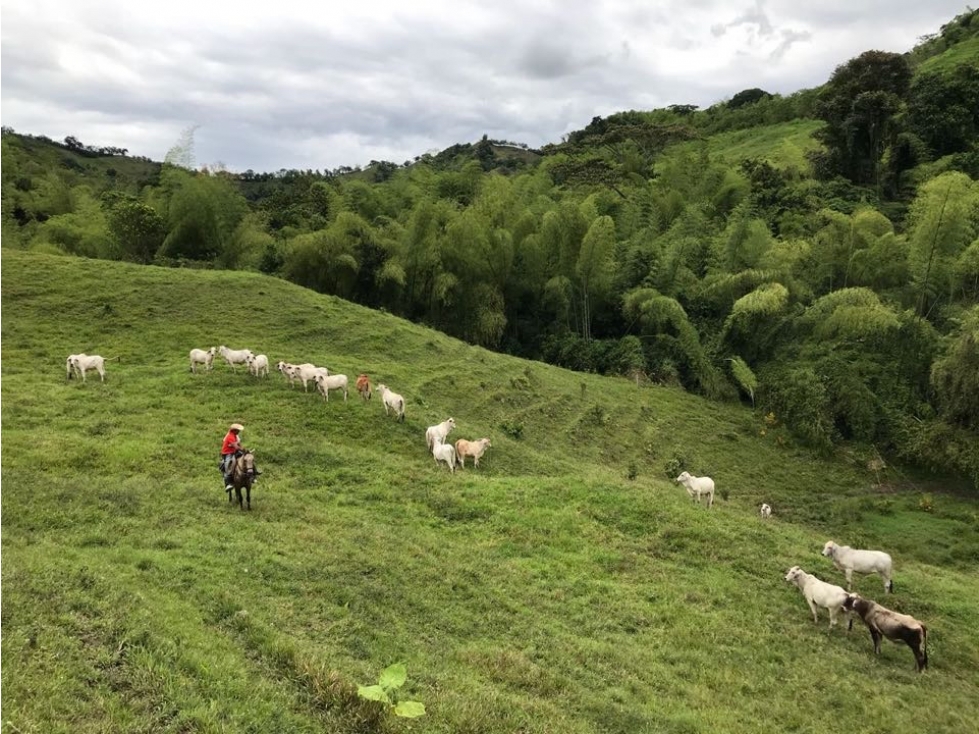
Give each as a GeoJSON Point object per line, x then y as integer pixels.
{"type": "Point", "coordinates": [890, 586]}
{"type": "Point", "coordinates": [401, 416]}
{"type": "Point", "coordinates": [924, 647]}
{"type": "Point", "coordinates": [114, 359]}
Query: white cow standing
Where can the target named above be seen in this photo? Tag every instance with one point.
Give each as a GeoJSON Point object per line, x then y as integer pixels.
{"type": "Point", "coordinates": [698, 486]}
{"type": "Point", "coordinates": [849, 559]}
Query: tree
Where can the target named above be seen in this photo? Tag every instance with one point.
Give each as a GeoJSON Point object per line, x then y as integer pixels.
{"type": "Point", "coordinates": [955, 377]}
{"type": "Point", "coordinates": [593, 268]}
{"type": "Point", "coordinates": [747, 97]}
{"type": "Point", "coordinates": [943, 223]}
{"type": "Point", "coordinates": [137, 228]}
{"type": "Point", "coordinates": [858, 104]}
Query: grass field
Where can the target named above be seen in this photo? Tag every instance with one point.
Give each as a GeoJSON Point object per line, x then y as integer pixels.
{"type": "Point", "coordinates": [565, 586]}
{"type": "Point", "coordinates": [784, 145]}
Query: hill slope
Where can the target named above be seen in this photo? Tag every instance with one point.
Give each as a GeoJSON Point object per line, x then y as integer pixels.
{"type": "Point", "coordinates": [545, 591]}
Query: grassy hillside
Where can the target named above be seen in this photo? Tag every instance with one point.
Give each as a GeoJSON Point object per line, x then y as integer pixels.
{"type": "Point", "coordinates": [784, 145]}
{"type": "Point", "coordinates": [566, 585]}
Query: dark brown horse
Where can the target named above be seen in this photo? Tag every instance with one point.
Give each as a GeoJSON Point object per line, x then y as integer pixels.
{"type": "Point", "coordinates": [242, 477]}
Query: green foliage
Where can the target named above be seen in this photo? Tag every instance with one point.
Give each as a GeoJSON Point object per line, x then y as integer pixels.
{"type": "Point", "coordinates": [744, 377]}
{"type": "Point", "coordinates": [955, 376]}
{"type": "Point", "coordinates": [859, 104]}
{"type": "Point", "coordinates": [944, 221]}
{"type": "Point", "coordinates": [385, 691]}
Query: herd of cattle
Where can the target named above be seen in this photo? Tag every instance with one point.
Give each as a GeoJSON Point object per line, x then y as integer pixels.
{"type": "Point", "coordinates": [881, 621]}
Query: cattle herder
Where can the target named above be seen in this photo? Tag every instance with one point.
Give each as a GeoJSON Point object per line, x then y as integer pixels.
{"type": "Point", "coordinates": [231, 449]}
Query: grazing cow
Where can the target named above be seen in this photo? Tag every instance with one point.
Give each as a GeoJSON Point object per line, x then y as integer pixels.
{"type": "Point", "coordinates": [474, 449]}
{"type": "Point", "coordinates": [234, 356]}
{"type": "Point", "coordinates": [202, 356]}
{"type": "Point", "coordinates": [445, 452]}
{"type": "Point", "coordinates": [393, 401]}
{"type": "Point", "coordinates": [258, 365]}
{"type": "Point", "coordinates": [849, 559]}
{"type": "Point", "coordinates": [325, 383]}
{"type": "Point", "coordinates": [439, 432]}
{"type": "Point", "coordinates": [883, 622]}
{"type": "Point", "coordinates": [766, 511]}
{"type": "Point", "coordinates": [697, 486]}
{"type": "Point", "coordinates": [818, 593]}
{"type": "Point", "coordinates": [80, 363]}
{"type": "Point", "coordinates": [364, 386]}
{"type": "Point", "coordinates": [306, 372]}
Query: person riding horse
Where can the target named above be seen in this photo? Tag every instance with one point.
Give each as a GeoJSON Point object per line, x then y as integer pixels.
{"type": "Point", "coordinates": [231, 449]}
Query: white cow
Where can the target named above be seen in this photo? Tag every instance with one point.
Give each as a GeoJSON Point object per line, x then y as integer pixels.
{"type": "Point", "coordinates": [697, 486]}
{"type": "Point", "coordinates": [766, 511]}
{"type": "Point", "coordinates": [234, 356]}
{"type": "Point", "coordinates": [325, 383]}
{"type": "Point", "coordinates": [286, 369]}
{"type": "Point", "coordinates": [71, 370]}
{"type": "Point", "coordinates": [202, 356]}
{"type": "Point", "coordinates": [79, 363]}
{"type": "Point", "coordinates": [818, 593]}
{"type": "Point", "coordinates": [258, 365]}
{"type": "Point", "coordinates": [474, 449]}
{"type": "Point", "coordinates": [445, 452]}
{"type": "Point", "coordinates": [849, 559]}
{"type": "Point", "coordinates": [438, 432]}
{"type": "Point", "coordinates": [393, 401]}
{"type": "Point", "coordinates": [306, 372]}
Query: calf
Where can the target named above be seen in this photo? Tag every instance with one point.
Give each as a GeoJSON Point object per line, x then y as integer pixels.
{"type": "Point", "coordinates": [306, 372]}
{"type": "Point", "coordinates": [697, 486]}
{"type": "Point", "coordinates": [883, 622]}
{"type": "Point", "coordinates": [364, 387]}
{"type": "Point", "coordinates": [392, 401]}
{"type": "Point", "coordinates": [79, 363]}
{"type": "Point", "coordinates": [445, 452]}
{"type": "Point", "coordinates": [258, 365]}
{"type": "Point", "coordinates": [325, 383]}
{"type": "Point", "coordinates": [474, 449]}
{"type": "Point", "coordinates": [766, 511]}
{"type": "Point", "coordinates": [234, 356]}
{"type": "Point", "coordinates": [202, 356]}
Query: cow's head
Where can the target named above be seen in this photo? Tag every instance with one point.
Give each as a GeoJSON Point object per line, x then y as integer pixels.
{"type": "Point", "coordinates": [683, 477]}
{"type": "Point", "coordinates": [829, 549]}
{"type": "Point", "coordinates": [850, 603]}
{"type": "Point", "coordinates": [793, 574]}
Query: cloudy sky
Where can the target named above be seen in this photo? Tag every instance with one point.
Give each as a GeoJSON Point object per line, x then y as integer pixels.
{"type": "Point", "coordinates": [304, 84]}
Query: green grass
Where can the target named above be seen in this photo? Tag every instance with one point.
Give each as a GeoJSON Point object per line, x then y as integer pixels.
{"type": "Point", "coordinates": [784, 145]}
{"type": "Point", "coordinates": [544, 592]}
{"type": "Point", "coordinates": [964, 52]}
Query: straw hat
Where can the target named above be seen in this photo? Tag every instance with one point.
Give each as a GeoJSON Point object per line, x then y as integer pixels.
{"type": "Point", "coordinates": [237, 427]}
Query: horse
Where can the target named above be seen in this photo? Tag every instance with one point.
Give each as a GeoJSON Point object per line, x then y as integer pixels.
{"type": "Point", "coordinates": [242, 477]}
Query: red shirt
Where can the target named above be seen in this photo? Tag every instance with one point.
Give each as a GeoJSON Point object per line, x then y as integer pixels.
{"type": "Point", "coordinates": [230, 444]}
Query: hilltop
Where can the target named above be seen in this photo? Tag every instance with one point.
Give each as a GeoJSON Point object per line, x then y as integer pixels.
{"type": "Point", "coordinates": [567, 584]}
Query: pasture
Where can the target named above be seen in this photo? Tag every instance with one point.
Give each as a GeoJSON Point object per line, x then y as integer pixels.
{"type": "Point", "coordinates": [566, 585]}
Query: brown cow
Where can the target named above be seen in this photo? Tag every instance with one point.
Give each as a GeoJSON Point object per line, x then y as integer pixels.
{"type": "Point", "coordinates": [883, 622]}
{"type": "Point", "coordinates": [364, 386]}
{"type": "Point", "coordinates": [474, 449]}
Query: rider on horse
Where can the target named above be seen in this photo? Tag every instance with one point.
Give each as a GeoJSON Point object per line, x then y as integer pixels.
{"type": "Point", "coordinates": [231, 449]}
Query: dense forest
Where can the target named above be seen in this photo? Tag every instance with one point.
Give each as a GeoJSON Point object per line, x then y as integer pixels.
{"type": "Point", "coordinates": [814, 255]}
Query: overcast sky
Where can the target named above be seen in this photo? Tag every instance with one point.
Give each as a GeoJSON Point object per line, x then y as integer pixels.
{"type": "Point", "coordinates": [294, 84]}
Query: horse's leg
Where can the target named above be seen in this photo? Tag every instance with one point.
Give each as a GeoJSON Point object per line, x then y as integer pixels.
{"type": "Point", "coordinates": [238, 495]}
{"type": "Point", "coordinates": [248, 490]}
